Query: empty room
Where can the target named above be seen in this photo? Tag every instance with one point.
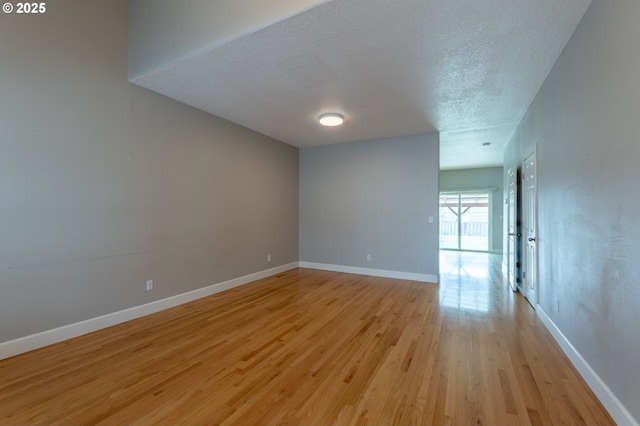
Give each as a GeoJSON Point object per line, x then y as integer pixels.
{"type": "Point", "coordinates": [333, 212]}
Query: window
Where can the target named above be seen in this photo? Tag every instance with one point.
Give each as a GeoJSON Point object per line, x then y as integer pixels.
{"type": "Point", "coordinates": [464, 221]}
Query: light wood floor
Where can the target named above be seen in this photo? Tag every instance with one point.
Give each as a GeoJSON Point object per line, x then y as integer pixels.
{"type": "Point", "coordinates": [314, 348]}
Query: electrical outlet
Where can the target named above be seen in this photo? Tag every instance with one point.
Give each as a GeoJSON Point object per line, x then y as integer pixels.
{"type": "Point", "coordinates": [268, 258]}
{"type": "Point", "coordinates": [149, 285]}
{"type": "Point", "coordinates": [368, 258]}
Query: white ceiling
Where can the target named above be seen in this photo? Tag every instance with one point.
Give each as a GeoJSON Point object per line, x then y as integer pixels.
{"type": "Point", "coordinates": [466, 68]}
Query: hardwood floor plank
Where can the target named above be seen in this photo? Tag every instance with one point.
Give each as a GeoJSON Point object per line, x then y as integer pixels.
{"type": "Point", "coordinates": [313, 347]}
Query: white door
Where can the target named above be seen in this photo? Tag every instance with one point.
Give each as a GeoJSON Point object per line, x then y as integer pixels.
{"type": "Point", "coordinates": [512, 214]}
{"type": "Point", "coordinates": [529, 230]}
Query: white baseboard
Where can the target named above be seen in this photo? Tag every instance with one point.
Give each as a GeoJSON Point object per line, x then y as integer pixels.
{"type": "Point", "coordinates": [615, 408]}
{"type": "Point", "coordinates": [373, 272]}
{"type": "Point", "coordinates": [49, 337]}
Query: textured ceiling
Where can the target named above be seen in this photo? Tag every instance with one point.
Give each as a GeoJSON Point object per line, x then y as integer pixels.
{"type": "Point", "coordinates": [468, 69]}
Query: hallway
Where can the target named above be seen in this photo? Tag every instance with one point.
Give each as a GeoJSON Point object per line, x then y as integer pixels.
{"type": "Point", "coordinates": [467, 280]}
{"type": "Point", "coordinates": [504, 357]}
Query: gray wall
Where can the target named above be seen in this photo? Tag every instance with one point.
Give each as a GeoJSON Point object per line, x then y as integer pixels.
{"type": "Point", "coordinates": [585, 120]}
{"type": "Point", "coordinates": [490, 177]}
{"type": "Point", "coordinates": [371, 197]}
{"type": "Point", "coordinates": [105, 185]}
{"type": "Point", "coordinates": [164, 31]}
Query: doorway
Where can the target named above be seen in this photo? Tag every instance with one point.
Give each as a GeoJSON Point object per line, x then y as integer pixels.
{"type": "Point", "coordinates": [465, 220]}
{"type": "Point", "coordinates": [513, 239]}
{"type": "Point", "coordinates": [530, 229]}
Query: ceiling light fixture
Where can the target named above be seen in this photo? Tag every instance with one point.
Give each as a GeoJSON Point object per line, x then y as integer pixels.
{"type": "Point", "coordinates": [486, 144]}
{"type": "Point", "coordinates": [331, 119]}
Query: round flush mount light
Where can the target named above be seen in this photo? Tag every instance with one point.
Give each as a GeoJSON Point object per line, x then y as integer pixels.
{"type": "Point", "coordinates": [331, 119]}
